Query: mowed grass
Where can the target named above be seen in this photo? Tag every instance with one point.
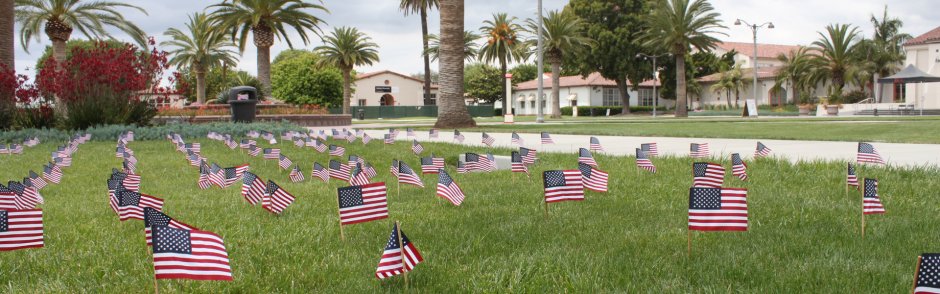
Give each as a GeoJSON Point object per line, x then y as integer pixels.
{"type": "Point", "coordinates": [804, 234]}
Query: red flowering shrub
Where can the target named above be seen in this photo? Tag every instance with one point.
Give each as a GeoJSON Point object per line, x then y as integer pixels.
{"type": "Point", "coordinates": [20, 103]}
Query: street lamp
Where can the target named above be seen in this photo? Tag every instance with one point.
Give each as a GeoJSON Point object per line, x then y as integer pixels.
{"type": "Point", "coordinates": [754, 29]}
{"type": "Point", "coordinates": [540, 118]}
{"type": "Point", "coordinates": [655, 96]}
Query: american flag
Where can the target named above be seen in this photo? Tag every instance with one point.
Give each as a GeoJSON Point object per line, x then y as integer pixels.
{"type": "Point", "coordinates": [131, 204]}
{"type": "Point", "coordinates": [130, 181]}
{"type": "Point", "coordinates": [596, 144]}
{"type": "Point", "coordinates": [851, 179]}
{"type": "Point", "coordinates": [233, 174]}
{"type": "Point", "coordinates": [130, 157]}
{"type": "Point", "coordinates": [322, 135]}
{"type": "Point", "coordinates": [474, 161]}
{"type": "Point", "coordinates": [36, 180]}
{"type": "Point", "coordinates": [433, 134]}
{"type": "Point", "coordinates": [408, 176]}
{"type": "Point", "coordinates": [594, 179]}
{"type": "Point", "coordinates": [284, 162]}
{"type": "Point", "coordinates": [394, 133]}
{"type": "Point", "coordinates": [359, 204]}
{"type": "Point", "coordinates": [738, 168]}
{"type": "Point", "coordinates": [350, 137]}
{"type": "Point", "coordinates": [267, 135]}
{"type": "Point", "coordinates": [337, 150]}
{"type": "Point", "coordinates": [194, 158]}
{"type": "Point", "coordinates": [276, 199]}
{"type": "Point", "coordinates": [518, 165]}
{"type": "Point", "coordinates": [339, 171]}
{"type": "Point", "coordinates": [717, 209]}
{"type": "Point", "coordinates": [184, 254]}
{"type": "Point", "coordinates": [337, 135]}
{"type": "Point", "coordinates": [528, 155]}
{"type": "Point", "coordinates": [16, 149]}
{"type": "Point", "coordinates": [288, 135]}
{"type": "Point", "coordinates": [359, 132]}
{"type": "Point", "coordinates": [389, 139]}
{"type": "Point", "coordinates": [430, 165]}
{"type": "Point", "coordinates": [320, 172]}
{"type": "Point", "coordinates": [204, 182]}
{"type": "Point", "coordinates": [447, 188]}
{"type": "Point", "coordinates": [319, 146]}
{"type": "Point", "coordinates": [458, 136]}
{"type": "Point", "coordinates": [180, 146]}
{"type": "Point", "coordinates": [491, 160]}
{"type": "Point", "coordinates": [7, 198]}
{"type": "Point", "coordinates": [194, 147]}
{"type": "Point", "coordinates": [563, 185]}
{"type": "Point", "coordinates": [699, 150]}
{"type": "Point", "coordinates": [369, 170]}
{"type": "Point", "coordinates": [272, 153]}
{"type": "Point", "coordinates": [217, 175]}
{"type": "Point", "coordinates": [246, 143]}
{"type": "Point", "coordinates": [394, 169]}
{"type": "Point", "coordinates": [35, 141]}
{"type": "Point", "coordinates": [353, 160]}
{"type": "Point", "coordinates": [310, 142]}
{"type": "Point", "coordinates": [20, 229]}
{"type": "Point", "coordinates": [584, 156]}
{"type": "Point", "coordinates": [118, 152]}
{"type": "Point", "coordinates": [129, 135]}
{"type": "Point", "coordinates": [488, 140]}
{"type": "Point", "coordinates": [762, 150]}
{"type": "Point", "coordinates": [400, 255]}
{"type": "Point", "coordinates": [416, 147]}
{"type": "Point", "coordinates": [53, 175]}
{"type": "Point", "coordinates": [296, 175]}
{"type": "Point", "coordinates": [927, 279]}
{"type": "Point", "coordinates": [411, 132]}
{"type": "Point", "coordinates": [867, 153]}
{"type": "Point", "coordinates": [153, 217]}
{"type": "Point", "coordinates": [213, 135]}
{"type": "Point", "coordinates": [254, 150]}
{"type": "Point", "coordinates": [359, 177]}
{"type": "Point", "coordinates": [461, 169]}
{"type": "Point", "coordinates": [128, 166]}
{"type": "Point", "coordinates": [252, 134]}
{"type": "Point", "coordinates": [26, 197]}
{"type": "Point", "coordinates": [517, 140]}
{"type": "Point", "coordinates": [708, 175]}
{"type": "Point", "coordinates": [3, 149]}
{"type": "Point", "coordinates": [872, 203]}
{"type": "Point", "coordinates": [546, 139]}
{"type": "Point", "coordinates": [231, 143]}
{"type": "Point", "coordinates": [63, 161]}
{"type": "Point", "coordinates": [643, 162]}
{"type": "Point", "coordinates": [114, 187]}
{"type": "Point", "coordinates": [366, 139]}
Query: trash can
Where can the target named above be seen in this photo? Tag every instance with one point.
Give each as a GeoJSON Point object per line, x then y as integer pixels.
{"type": "Point", "coordinates": [593, 112]}
{"type": "Point", "coordinates": [362, 114]}
{"type": "Point", "coordinates": [243, 106]}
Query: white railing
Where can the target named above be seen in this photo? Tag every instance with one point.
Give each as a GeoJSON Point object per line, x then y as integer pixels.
{"type": "Point", "coordinates": [867, 105]}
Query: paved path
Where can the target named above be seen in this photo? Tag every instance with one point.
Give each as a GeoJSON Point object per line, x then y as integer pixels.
{"type": "Point", "coordinates": [897, 154]}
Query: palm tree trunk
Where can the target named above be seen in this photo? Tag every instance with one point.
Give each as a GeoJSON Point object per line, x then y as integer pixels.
{"type": "Point", "coordinates": [452, 111]}
{"type": "Point", "coordinates": [681, 111]}
{"type": "Point", "coordinates": [502, 71]}
{"type": "Point", "coordinates": [737, 96]}
{"type": "Point", "coordinates": [556, 90]}
{"type": "Point", "coordinates": [201, 87]}
{"type": "Point", "coordinates": [427, 60]}
{"type": "Point", "coordinates": [624, 95]}
{"type": "Point", "coordinates": [7, 37]}
{"type": "Point", "coordinates": [58, 53]}
{"type": "Point", "coordinates": [264, 68]}
{"type": "Point", "coordinates": [346, 93]}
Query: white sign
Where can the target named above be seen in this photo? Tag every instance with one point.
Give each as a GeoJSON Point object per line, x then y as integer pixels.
{"type": "Point", "coordinates": [394, 90]}
{"type": "Point", "coordinates": [750, 108]}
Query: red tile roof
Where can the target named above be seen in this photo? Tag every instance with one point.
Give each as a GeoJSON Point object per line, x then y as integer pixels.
{"type": "Point", "coordinates": [766, 72]}
{"type": "Point", "coordinates": [594, 79]}
{"type": "Point", "coordinates": [372, 74]}
{"type": "Point", "coordinates": [763, 50]}
{"type": "Point", "coordinates": [929, 37]}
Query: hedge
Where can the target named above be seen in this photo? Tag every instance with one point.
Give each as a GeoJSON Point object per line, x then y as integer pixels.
{"type": "Point", "coordinates": [614, 110]}
{"type": "Point", "coordinates": [158, 132]}
{"type": "Point", "coordinates": [739, 112]}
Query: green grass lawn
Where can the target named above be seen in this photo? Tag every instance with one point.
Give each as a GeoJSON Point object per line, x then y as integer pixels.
{"type": "Point", "coordinates": [804, 234]}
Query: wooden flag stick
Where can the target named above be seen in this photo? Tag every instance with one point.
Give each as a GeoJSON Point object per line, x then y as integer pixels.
{"type": "Point", "coordinates": [401, 247]}
{"type": "Point", "coordinates": [863, 209]}
{"type": "Point", "coordinates": [916, 272]}
{"type": "Point", "coordinates": [156, 286]}
{"type": "Point", "coordinates": [546, 211]}
{"type": "Point", "coordinates": [863, 224]}
{"type": "Point", "coordinates": [690, 243]}
{"type": "Point", "coordinates": [342, 237]}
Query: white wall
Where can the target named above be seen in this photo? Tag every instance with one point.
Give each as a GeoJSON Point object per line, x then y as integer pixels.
{"type": "Point", "coordinates": [587, 96]}
{"type": "Point", "coordinates": [410, 92]}
{"type": "Point", "coordinates": [925, 58]}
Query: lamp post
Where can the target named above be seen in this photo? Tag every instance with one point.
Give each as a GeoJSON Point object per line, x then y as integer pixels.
{"type": "Point", "coordinates": [655, 77]}
{"type": "Point", "coordinates": [540, 118]}
{"type": "Point", "coordinates": [754, 29]}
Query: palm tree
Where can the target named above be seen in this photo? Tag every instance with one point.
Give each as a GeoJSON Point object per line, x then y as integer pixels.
{"type": "Point", "coordinates": [344, 49]}
{"type": "Point", "coordinates": [7, 20]}
{"type": "Point", "coordinates": [676, 26]}
{"type": "Point", "coordinates": [267, 19]}
{"type": "Point", "coordinates": [836, 53]}
{"type": "Point", "coordinates": [470, 51]}
{"type": "Point", "coordinates": [421, 7]}
{"type": "Point", "coordinates": [203, 47]}
{"type": "Point", "coordinates": [452, 109]}
{"type": "Point", "coordinates": [738, 82]}
{"type": "Point", "coordinates": [563, 33]}
{"type": "Point", "coordinates": [504, 44]}
{"type": "Point", "coordinates": [722, 84]}
{"type": "Point", "coordinates": [795, 67]}
{"type": "Point", "coordinates": [887, 53]}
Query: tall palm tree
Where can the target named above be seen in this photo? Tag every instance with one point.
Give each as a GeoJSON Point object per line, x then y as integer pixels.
{"type": "Point", "coordinates": [886, 54]}
{"type": "Point", "coordinates": [504, 44]}
{"type": "Point", "coordinates": [421, 7]}
{"type": "Point", "coordinates": [452, 108]}
{"type": "Point", "coordinates": [837, 53]}
{"type": "Point", "coordinates": [678, 25]}
{"type": "Point", "coordinates": [346, 48]}
{"type": "Point", "coordinates": [738, 82]}
{"type": "Point", "coordinates": [7, 20]}
{"type": "Point", "coordinates": [563, 33]}
{"type": "Point", "coordinates": [201, 48]}
{"type": "Point", "coordinates": [267, 19]}
{"type": "Point", "coordinates": [795, 66]}
{"type": "Point", "coordinates": [470, 47]}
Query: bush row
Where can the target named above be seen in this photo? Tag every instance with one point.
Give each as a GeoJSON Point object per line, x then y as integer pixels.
{"type": "Point", "coordinates": [186, 130]}
{"type": "Point", "coordinates": [614, 110]}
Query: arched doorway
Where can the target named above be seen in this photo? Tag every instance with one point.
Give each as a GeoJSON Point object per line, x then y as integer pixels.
{"type": "Point", "coordinates": [387, 100]}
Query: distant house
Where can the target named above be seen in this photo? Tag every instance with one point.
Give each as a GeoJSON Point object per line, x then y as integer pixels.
{"type": "Point", "coordinates": [924, 53]}
{"type": "Point", "coordinates": [388, 88]}
{"type": "Point", "coordinates": [767, 66]}
{"type": "Point", "coordinates": [594, 90]}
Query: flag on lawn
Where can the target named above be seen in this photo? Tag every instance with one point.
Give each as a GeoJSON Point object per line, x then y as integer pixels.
{"type": "Point", "coordinates": [4, 149]}
{"type": "Point", "coordinates": [213, 135]}
{"type": "Point", "coordinates": [369, 170]}
{"type": "Point", "coordinates": [130, 181]}
{"type": "Point", "coordinates": [518, 165]}
{"type": "Point", "coordinates": [738, 168]}
{"type": "Point", "coordinates": [310, 142]}
{"type": "Point", "coordinates": [517, 140]}
{"type": "Point", "coordinates": [36, 180]}
{"type": "Point", "coordinates": [394, 133]}
{"type": "Point", "coordinates": [593, 179]}
{"type": "Point", "coordinates": [272, 153]}
{"type": "Point", "coordinates": [359, 132]}
{"type": "Point", "coordinates": [867, 153]}
{"type": "Point", "coordinates": [394, 169]}
{"type": "Point", "coordinates": [20, 229]}
{"type": "Point", "coordinates": [717, 209]}
{"type": "Point", "coordinates": [699, 150]}
{"type": "Point", "coordinates": [491, 160]}
{"type": "Point", "coordinates": [337, 135]}
{"type": "Point", "coordinates": [708, 175]}
{"type": "Point", "coordinates": [852, 180]}
{"type": "Point", "coordinates": [416, 147]}
{"type": "Point", "coordinates": [366, 139]}
{"type": "Point", "coordinates": [194, 147]}
{"type": "Point", "coordinates": [153, 217]}
{"type": "Point", "coordinates": [461, 169]}
{"type": "Point", "coordinates": [927, 279]}
{"type": "Point", "coordinates": [184, 254]}
{"type": "Point", "coordinates": [217, 175]}
{"type": "Point", "coordinates": [252, 134]}
{"type": "Point", "coordinates": [596, 145]}
{"type": "Point", "coordinates": [359, 204]}
{"type": "Point", "coordinates": [128, 166]}
{"type": "Point", "coordinates": [353, 160]}
{"type": "Point", "coordinates": [585, 156]}
{"type": "Point", "coordinates": [871, 203]}
{"type": "Point", "coordinates": [359, 177]}
{"type": "Point", "coordinates": [26, 197]}
{"type": "Point", "coordinates": [563, 185]}
{"type": "Point", "coordinates": [408, 176]}
{"type": "Point", "coordinates": [762, 150]}
{"type": "Point", "coordinates": [488, 140]}
{"type": "Point", "coordinates": [337, 150]}
{"type": "Point", "coordinates": [231, 143]}
{"type": "Point", "coordinates": [254, 150]}
{"type": "Point", "coordinates": [7, 198]}
{"type": "Point", "coordinates": [339, 171]}
{"type": "Point", "coordinates": [131, 204]}
{"type": "Point", "coordinates": [458, 136]}
{"type": "Point", "coordinates": [276, 199]}
{"type": "Point", "coordinates": [473, 161]}
{"type": "Point", "coordinates": [528, 155]}
{"type": "Point", "coordinates": [546, 139]}
{"type": "Point", "coordinates": [296, 175]}
{"type": "Point", "coordinates": [16, 149]}
{"type": "Point", "coordinates": [63, 161]}
{"type": "Point", "coordinates": [389, 139]}
{"type": "Point", "coordinates": [284, 162]}
{"type": "Point", "coordinates": [400, 255]}
{"type": "Point", "coordinates": [288, 135]}
{"type": "Point", "coordinates": [114, 187]}
{"type": "Point", "coordinates": [233, 174]}
{"type": "Point", "coordinates": [430, 165]}
{"type": "Point", "coordinates": [447, 188]}
{"type": "Point", "coordinates": [433, 133]}
{"type": "Point", "coordinates": [319, 146]}
{"type": "Point", "coordinates": [53, 175]}
{"type": "Point", "coordinates": [204, 182]}
{"type": "Point", "coordinates": [350, 137]}
{"type": "Point", "coordinates": [320, 172]}
{"type": "Point", "coordinates": [411, 132]}
{"type": "Point", "coordinates": [643, 162]}
{"type": "Point", "coordinates": [246, 143]}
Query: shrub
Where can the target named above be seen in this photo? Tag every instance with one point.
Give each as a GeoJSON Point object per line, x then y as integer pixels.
{"type": "Point", "coordinates": [602, 110]}
{"type": "Point", "coordinates": [854, 96]}
{"type": "Point", "coordinates": [110, 133]}
{"type": "Point", "coordinates": [298, 81]}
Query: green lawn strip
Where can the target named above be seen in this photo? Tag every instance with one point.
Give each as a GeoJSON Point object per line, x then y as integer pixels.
{"type": "Point", "coordinates": [804, 234]}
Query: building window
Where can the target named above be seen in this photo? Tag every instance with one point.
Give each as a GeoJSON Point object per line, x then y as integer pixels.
{"type": "Point", "coordinates": [611, 97]}
{"type": "Point", "coordinates": [760, 65]}
{"type": "Point", "coordinates": [574, 102]}
{"type": "Point", "coordinates": [362, 102]}
{"type": "Point", "coordinates": [533, 104]}
{"type": "Point", "coordinates": [522, 104]}
{"type": "Point", "coordinates": [646, 97]}
{"type": "Point", "coordinates": [433, 96]}
{"type": "Point", "coordinates": [900, 93]}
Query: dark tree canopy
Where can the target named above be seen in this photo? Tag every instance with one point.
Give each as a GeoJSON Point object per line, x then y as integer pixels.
{"type": "Point", "coordinates": [697, 65]}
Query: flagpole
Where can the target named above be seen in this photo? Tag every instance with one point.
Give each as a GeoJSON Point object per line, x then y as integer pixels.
{"type": "Point", "coordinates": [690, 243]}
{"type": "Point", "coordinates": [916, 272]}
{"type": "Point", "coordinates": [342, 237]}
{"type": "Point", "coordinates": [864, 185]}
{"type": "Point", "coordinates": [156, 286]}
{"type": "Point", "coordinates": [546, 211]}
{"type": "Point", "coordinates": [401, 248]}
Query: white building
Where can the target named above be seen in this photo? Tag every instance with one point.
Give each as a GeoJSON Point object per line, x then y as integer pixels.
{"type": "Point", "coordinates": [388, 88]}
{"type": "Point", "coordinates": [767, 66]}
{"type": "Point", "coordinates": [593, 90]}
{"type": "Point", "coordinates": [924, 53]}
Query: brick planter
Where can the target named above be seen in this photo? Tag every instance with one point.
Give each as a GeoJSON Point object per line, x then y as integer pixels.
{"type": "Point", "coordinates": [307, 120]}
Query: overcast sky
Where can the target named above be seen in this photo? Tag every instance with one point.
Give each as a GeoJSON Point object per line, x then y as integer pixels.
{"type": "Point", "coordinates": [399, 37]}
